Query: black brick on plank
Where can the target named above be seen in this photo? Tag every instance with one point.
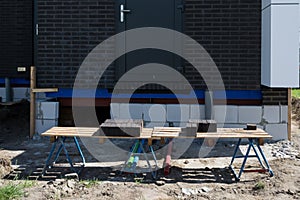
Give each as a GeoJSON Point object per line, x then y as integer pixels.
{"type": "Point", "coordinates": [205, 125]}
{"type": "Point", "coordinates": [124, 128]}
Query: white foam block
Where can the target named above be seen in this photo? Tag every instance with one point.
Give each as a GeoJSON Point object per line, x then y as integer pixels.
{"type": "Point", "coordinates": [21, 93]}
{"type": "Point", "coordinates": [47, 110]}
{"type": "Point", "coordinates": [271, 114]}
{"type": "Point", "coordinates": [284, 114]}
{"type": "Point", "coordinates": [278, 131]}
{"type": "Point", "coordinates": [249, 114]}
{"type": "Point", "coordinates": [226, 114]}
{"type": "Point", "coordinates": [131, 111]}
{"type": "Point", "coordinates": [197, 111]}
{"type": "Point", "coordinates": [115, 111]}
{"type": "Point", "coordinates": [178, 112]}
{"type": "Point", "coordinates": [154, 112]}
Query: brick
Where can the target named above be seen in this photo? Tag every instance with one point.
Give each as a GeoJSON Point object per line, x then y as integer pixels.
{"type": "Point", "coordinates": [229, 31]}
{"type": "Point", "coordinates": [121, 127]}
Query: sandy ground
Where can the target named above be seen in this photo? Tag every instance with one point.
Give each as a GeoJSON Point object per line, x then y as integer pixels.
{"type": "Point", "coordinates": [190, 177]}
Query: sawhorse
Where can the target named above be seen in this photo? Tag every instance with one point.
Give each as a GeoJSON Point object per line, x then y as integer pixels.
{"type": "Point", "coordinates": [62, 141]}
{"type": "Point", "coordinates": [252, 144]}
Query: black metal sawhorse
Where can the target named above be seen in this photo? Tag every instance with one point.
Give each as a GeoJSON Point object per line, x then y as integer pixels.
{"type": "Point", "coordinates": [252, 144]}
{"type": "Point", "coordinates": [61, 140]}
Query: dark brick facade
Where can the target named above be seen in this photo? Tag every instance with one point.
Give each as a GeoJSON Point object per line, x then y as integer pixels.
{"type": "Point", "coordinates": [274, 96]}
{"type": "Point", "coordinates": [16, 37]}
{"type": "Point", "coordinates": [68, 31]}
{"type": "Point", "coordinates": [229, 30]}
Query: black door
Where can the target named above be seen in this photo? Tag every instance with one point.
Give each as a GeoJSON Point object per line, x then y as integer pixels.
{"type": "Point", "coordinates": [148, 13]}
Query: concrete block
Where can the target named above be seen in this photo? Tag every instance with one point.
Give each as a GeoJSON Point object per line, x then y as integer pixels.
{"type": "Point", "coordinates": [178, 112]}
{"type": "Point", "coordinates": [47, 110]}
{"type": "Point", "coordinates": [115, 111]}
{"type": "Point", "coordinates": [197, 111]}
{"type": "Point", "coordinates": [278, 131]}
{"type": "Point", "coordinates": [43, 125]}
{"type": "Point", "coordinates": [21, 93]}
{"type": "Point", "coordinates": [271, 114]}
{"type": "Point", "coordinates": [249, 114]}
{"type": "Point", "coordinates": [226, 114]}
{"type": "Point", "coordinates": [154, 112]}
{"type": "Point", "coordinates": [283, 114]}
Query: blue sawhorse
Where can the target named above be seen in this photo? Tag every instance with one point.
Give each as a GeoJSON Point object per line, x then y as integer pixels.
{"type": "Point", "coordinates": [61, 141]}
{"type": "Point", "coordinates": [254, 144]}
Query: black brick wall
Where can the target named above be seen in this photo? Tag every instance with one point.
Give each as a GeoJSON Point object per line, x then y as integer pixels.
{"type": "Point", "coordinates": [16, 37]}
{"type": "Point", "coordinates": [229, 30]}
{"type": "Point", "coordinates": [68, 31]}
{"type": "Point", "coordinates": [274, 96]}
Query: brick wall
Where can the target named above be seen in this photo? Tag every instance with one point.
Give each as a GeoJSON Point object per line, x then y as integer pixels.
{"type": "Point", "coordinates": [274, 96]}
{"type": "Point", "coordinates": [16, 37]}
{"type": "Point", "coordinates": [68, 31]}
{"type": "Point", "coordinates": [230, 31]}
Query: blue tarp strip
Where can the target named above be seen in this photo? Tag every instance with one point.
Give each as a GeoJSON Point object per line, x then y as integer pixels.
{"type": "Point", "coordinates": [18, 81]}
{"type": "Point", "coordinates": [103, 93]}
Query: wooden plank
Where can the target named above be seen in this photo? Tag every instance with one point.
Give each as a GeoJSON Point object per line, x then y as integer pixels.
{"type": "Point", "coordinates": [90, 132]}
{"type": "Point", "coordinates": [39, 90]}
{"type": "Point", "coordinates": [289, 114]}
{"type": "Point", "coordinates": [32, 100]}
{"type": "Point", "coordinates": [161, 132]}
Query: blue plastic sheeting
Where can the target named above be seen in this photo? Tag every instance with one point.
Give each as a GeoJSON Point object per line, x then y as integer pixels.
{"type": "Point", "coordinates": [103, 93]}
{"type": "Point", "coordinates": [17, 81]}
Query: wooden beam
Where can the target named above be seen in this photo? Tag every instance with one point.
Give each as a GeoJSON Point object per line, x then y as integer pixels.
{"type": "Point", "coordinates": [32, 100]}
{"type": "Point", "coordinates": [39, 90]}
{"type": "Point", "coordinates": [289, 113]}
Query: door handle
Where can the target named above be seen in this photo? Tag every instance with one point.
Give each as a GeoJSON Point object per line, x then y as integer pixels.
{"type": "Point", "coordinates": [122, 12]}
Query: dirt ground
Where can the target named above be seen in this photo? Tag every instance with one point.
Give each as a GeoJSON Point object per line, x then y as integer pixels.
{"type": "Point", "coordinates": [190, 177]}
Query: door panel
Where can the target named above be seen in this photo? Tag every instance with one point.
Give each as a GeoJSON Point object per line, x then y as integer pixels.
{"type": "Point", "coordinates": [149, 13]}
